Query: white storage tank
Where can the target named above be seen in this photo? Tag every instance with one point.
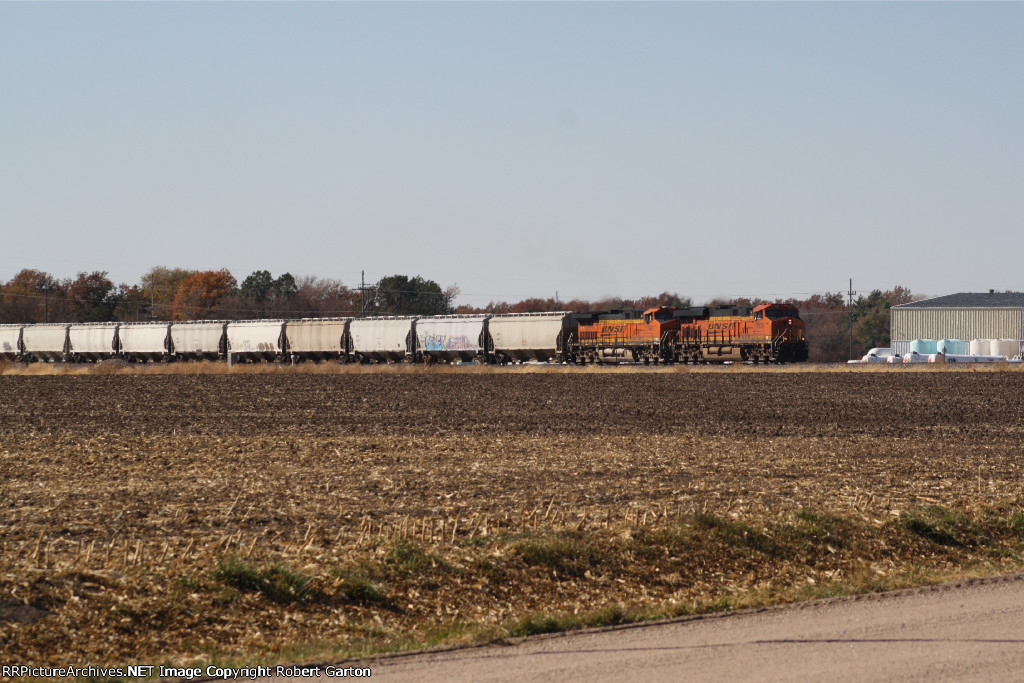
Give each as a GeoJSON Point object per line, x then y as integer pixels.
{"type": "Point", "coordinates": [385, 338]}
{"type": "Point", "coordinates": [528, 336]}
{"type": "Point", "coordinates": [451, 337]}
{"type": "Point", "coordinates": [981, 347]}
{"type": "Point", "coordinates": [198, 339]}
{"type": "Point", "coordinates": [92, 341]}
{"type": "Point", "coordinates": [45, 341]}
{"type": "Point", "coordinates": [956, 347]}
{"type": "Point", "coordinates": [256, 340]}
{"type": "Point", "coordinates": [317, 338]}
{"type": "Point", "coordinates": [10, 342]}
{"type": "Point", "coordinates": [144, 341]}
{"type": "Point", "coordinates": [1010, 348]}
{"type": "Point", "coordinates": [916, 357]}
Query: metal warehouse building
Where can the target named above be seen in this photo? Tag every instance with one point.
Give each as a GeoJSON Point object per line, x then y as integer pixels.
{"type": "Point", "coordinates": [964, 316]}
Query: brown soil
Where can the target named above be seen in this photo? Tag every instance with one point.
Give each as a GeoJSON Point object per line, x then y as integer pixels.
{"type": "Point", "coordinates": [264, 516]}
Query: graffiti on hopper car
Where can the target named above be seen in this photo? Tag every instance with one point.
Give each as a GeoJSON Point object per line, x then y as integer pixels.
{"type": "Point", "coordinates": [442, 342]}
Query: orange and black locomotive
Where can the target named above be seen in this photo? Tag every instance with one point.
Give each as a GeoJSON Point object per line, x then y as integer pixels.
{"type": "Point", "coordinates": [769, 333]}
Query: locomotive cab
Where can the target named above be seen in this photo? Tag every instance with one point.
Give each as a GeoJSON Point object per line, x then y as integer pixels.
{"type": "Point", "coordinates": [660, 314]}
{"type": "Point", "coordinates": [776, 312]}
{"type": "Point", "coordinates": [785, 329]}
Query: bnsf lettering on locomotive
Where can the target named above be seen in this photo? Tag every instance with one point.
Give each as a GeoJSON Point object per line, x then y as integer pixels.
{"type": "Point", "coordinates": [614, 328]}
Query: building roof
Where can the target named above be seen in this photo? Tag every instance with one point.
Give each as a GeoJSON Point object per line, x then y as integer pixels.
{"type": "Point", "coordinates": [971, 300]}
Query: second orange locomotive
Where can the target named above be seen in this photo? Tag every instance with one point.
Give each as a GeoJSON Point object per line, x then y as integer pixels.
{"type": "Point", "coordinates": [769, 333]}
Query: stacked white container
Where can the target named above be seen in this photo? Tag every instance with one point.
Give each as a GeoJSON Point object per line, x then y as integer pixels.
{"type": "Point", "coordinates": [1005, 347]}
{"type": "Point", "coordinates": [981, 347]}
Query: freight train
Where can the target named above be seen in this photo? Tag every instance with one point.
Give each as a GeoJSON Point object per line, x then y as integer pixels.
{"type": "Point", "coordinates": [771, 333]}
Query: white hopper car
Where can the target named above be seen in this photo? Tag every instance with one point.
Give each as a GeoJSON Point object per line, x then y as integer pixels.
{"type": "Point", "coordinates": [144, 341]}
{"type": "Point", "coordinates": [528, 336]}
{"type": "Point", "coordinates": [45, 342]}
{"type": "Point", "coordinates": [256, 340]}
{"type": "Point", "coordinates": [10, 342]}
{"type": "Point", "coordinates": [389, 338]}
{"type": "Point", "coordinates": [317, 339]}
{"type": "Point", "coordinates": [451, 338]}
{"type": "Point", "coordinates": [92, 341]}
{"type": "Point", "coordinates": [199, 339]}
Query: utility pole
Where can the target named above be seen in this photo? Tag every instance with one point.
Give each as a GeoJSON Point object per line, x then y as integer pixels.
{"type": "Point", "coordinates": [46, 300]}
{"type": "Point", "coordinates": [362, 292]}
{"type": "Point", "coordinates": [850, 295]}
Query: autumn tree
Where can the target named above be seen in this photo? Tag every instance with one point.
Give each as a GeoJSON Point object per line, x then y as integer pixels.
{"type": "Point", "coordinates": [131, 306]}
{"type": "Point", "coordinates": [159, 287]}
{"type": "Point", "coordinates": [34, 296]}
{"type": "Point", "coordinates": [93, 297]}
{"type": "Point", "coordinates": [200, 293]}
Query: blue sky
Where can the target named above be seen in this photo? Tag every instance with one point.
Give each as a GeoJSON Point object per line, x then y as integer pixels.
{"type": "Point", "coordinates": [519, 149]}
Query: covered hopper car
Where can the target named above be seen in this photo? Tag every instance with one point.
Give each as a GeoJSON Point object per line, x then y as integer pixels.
{"type": "Point", "coordinates": [257, 340]}
{"type": "Point", "coordinates": [141, 342]}
{"type": "Point", "coordinates": [447, 338]}
{"type": "Point", "coordinates": [529, 336]}
{"type": "Point", "coordinates": [381, 339]}
{"type": "Point", "coordinates": [44, 342]}
{"type": "Point", "coordinates": [92, 341]}
{"type": "Point", "coordinates": [316, 339]}
{"type": "Point", "coordinates": [10, 342]}
{"type": "Point", "coordinates": [199, 340]}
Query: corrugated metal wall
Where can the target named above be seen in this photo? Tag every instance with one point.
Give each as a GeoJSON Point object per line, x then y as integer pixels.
{"type": "Point", "coordinates": [956, 323]}
{"type": "Point", "coordinates": [900, 347]}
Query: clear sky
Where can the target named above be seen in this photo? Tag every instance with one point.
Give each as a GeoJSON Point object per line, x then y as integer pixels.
{"type": "Point", "coordinates": [519, 149]}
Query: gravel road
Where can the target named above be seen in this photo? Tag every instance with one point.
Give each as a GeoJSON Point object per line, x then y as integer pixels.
{"type": "Point", "coordinates": [972, 630]}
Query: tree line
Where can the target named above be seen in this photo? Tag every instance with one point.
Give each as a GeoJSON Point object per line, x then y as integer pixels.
{"type": "Point", "coordinates": [163, 293]}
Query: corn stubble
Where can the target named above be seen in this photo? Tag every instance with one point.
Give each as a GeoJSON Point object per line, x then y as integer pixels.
{"type": "Point", "coordinates": [307, 516]}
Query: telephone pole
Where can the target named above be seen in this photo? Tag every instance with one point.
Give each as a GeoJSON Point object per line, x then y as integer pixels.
{"type": "Point", "coordinates": [363, 289]}
{"type": "Point", "coordinates": [850, 295]}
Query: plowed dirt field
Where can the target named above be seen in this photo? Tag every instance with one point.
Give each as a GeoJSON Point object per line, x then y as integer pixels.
{"type": "Point", "coordinates": [270, 517]}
